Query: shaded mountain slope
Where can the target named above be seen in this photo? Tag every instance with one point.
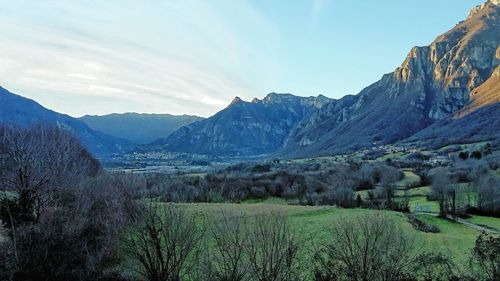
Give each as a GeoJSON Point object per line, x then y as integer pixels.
{"type": "Point", "coordinates": [480, 125]}
{"type": "Point", "coordinates": [138, 128]}
{"type": "Point", "coordinates": [477, 121]}
{"type": "Point", "coordinates": [20, 111]}
{"type": "Point", "coordinates": [244, 128]}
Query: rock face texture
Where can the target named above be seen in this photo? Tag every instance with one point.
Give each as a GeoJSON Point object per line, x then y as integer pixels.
{"type": "Point", "coordinates": [453, 76]}
{"type": "Point", "coordinates": [244, 128]}
{"type": "Point", "coordinates": [20, 111]}
{"type": "Point", "coordinates": [138, 128]}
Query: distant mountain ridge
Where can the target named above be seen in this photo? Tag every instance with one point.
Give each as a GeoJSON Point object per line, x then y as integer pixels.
{"type": "Point", "coordinates": [21, 111]}
{"type": "Point", "coordinates": [138, 128]}
{"type": "Point", "coordinates": [244, 128]}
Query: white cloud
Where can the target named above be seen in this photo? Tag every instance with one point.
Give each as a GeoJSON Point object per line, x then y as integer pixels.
{"type": "Point", "coordinates": [82, 76]}
{"type": "Point", "coordinates": [212, 101]}
{"type": "Point", "coordinates": [94, 66]}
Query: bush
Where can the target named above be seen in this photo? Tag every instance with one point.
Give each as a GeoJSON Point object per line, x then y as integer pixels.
{"type": "Point", "coordinates": [264, 168]}
{"type": "Point", "coordinates": [464, 155]}
{"type": "Point", "coordinates": [435, 266]}
{"type": "Point", "coordinates": [476, 154]}
{"type": "Point", "coordinates": [258, 192]}
{"type": "Point", "coordinates": [420, 225]}
{"type": "Point", "coordinates": [485, 259]}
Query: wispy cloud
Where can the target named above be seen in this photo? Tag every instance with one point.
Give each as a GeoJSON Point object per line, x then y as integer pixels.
{"type": "Point", "coordinates": [82, 76]}
{"type": "Point", "coordinates": [167, 60]}
{"type": "Point", "coordinates": [316, 8]}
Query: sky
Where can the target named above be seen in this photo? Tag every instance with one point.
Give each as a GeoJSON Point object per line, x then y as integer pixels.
{"type": "Point", "coordinates": [194, 56]}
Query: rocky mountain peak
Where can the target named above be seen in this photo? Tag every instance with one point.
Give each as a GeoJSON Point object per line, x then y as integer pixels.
{"type": "Point", "coordinates": [277, 97]}
{"type": "Point", "coordinates": [456, 62]}
{"type": "Point", "coordinates": [236, 100]}
{"type": "Point", "coordinates": [244, 128]}
{"type": "Point", "coordinates": [478, 8]}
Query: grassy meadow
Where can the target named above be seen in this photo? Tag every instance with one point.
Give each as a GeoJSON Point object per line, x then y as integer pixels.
{"type": "Point", "coordinates": [312, 223]}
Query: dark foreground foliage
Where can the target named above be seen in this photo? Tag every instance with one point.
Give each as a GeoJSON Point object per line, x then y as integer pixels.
{"type": "Point", "coordinates": [60, 224]}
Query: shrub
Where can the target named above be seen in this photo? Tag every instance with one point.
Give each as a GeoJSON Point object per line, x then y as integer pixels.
{"type": "Point", "coordinates": [420, 225]}
{"type": "Point", "coordinates": [464, 155]}
{"type": "Point", "coordinates": [485, 258]}
{"type": "Point", "coordinates": [476, 154]}
{"type": "Point", "coordinates": [258, 192]}
{"type": "Point", "coordinates": [435, 266]}
{"type": "Point", "coordinates": [264, 168]}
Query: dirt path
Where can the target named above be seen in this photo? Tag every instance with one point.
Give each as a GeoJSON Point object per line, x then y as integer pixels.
{"type": "Point", "coordinates": [475, 226]}
{"type": "Point", "coordinates": [466, 223]}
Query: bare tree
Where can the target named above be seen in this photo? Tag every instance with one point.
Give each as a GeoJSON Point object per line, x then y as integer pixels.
{"type": "Point", "coordinates": [166, 243]}
{"type": "Point", "coordinates": [488, 191]}
{"type": "Point", "coordinates": [72, 239]}
{"type": "Point", "coordinates": [442, 190]}
{"type": "Point", "coordinates": [36, 161]}
{"type": "Point", "coordinates": [227, 260]}
{"type": "Point", "coordinates": [272, 249]}
{"type": "Point", "coordinates": [387, 189]}
{"type": "Point", "coordinates": [372, 247]}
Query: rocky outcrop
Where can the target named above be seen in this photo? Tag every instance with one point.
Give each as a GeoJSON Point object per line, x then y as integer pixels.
{"type": "Point", "coordinates": [458, 61]}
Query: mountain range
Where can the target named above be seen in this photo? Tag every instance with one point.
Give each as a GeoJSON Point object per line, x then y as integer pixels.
{"type": "Point", "coordinates": [436, 91]}
{"type": "Point", "coordinates": [138, 128]}
{"type": "Point", "coordinates": [436, 82]}
{"type": "Point", "coordinates": [244, 128]}
{"type": "Point", "coordinates": [20, 111]}
{"type": "Point", "coordinates": [446, 92]}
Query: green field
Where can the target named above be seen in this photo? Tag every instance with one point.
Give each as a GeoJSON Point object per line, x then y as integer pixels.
{"type": "Point", "coordinates": [392, 156]}
{"type": "Point", "coordinates": [487, 222]}
{"type": "Point", "coordinates": [410, 179]}
{"type": "Point", "coordinates": [195, 175]}
{"type": "Point", "coordinates": [467, 146]}
{"type": "Point", "coordinates": [313, 222]}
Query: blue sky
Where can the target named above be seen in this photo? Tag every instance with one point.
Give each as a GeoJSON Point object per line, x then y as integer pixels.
{"type": "Point", "coordinates": [195, 56]}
